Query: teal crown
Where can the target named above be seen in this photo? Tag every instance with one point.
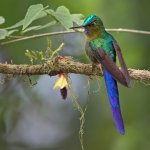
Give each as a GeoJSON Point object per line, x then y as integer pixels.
{"type": "Point", "coordinates": [91, 19]}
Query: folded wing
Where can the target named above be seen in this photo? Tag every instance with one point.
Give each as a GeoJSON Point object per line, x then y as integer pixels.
{"type": "Point", "coordinates": [111, 67]}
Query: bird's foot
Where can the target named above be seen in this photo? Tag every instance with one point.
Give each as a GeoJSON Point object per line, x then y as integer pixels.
{"type": "Point", "coordinates": [97, 68]}
{"type": "Point", "coordinates": [94, 67]}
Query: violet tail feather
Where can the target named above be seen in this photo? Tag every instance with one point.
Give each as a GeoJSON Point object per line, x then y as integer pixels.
{"type": "Point", "coordinates": [113, 94]}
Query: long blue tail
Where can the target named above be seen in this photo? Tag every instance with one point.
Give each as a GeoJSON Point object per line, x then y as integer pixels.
{"type": "Point", "coordinates": [113, 95]}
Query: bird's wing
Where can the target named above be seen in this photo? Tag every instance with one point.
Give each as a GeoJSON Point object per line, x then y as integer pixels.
{"type": "Point", "coordinates": [122, 63]}
{"type": "Point", "coordinates": [110, 66]}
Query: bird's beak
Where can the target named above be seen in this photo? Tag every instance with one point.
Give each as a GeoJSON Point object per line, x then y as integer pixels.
{"type": "Point", "coordinates": [77, 27]}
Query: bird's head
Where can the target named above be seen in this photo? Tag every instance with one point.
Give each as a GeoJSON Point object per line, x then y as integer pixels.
{"type": "Point", "coordinates": [93, 26]}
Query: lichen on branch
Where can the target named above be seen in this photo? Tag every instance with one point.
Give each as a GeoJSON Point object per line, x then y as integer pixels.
{"type": "Point", "coordinates": [67, 65]}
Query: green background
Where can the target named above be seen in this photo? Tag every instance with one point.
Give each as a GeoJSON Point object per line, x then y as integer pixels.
{"type": "Point", "coordinates": [37, 118]}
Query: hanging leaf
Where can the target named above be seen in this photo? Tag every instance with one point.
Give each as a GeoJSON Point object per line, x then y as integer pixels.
{"type": "Point", "coordinates": [2, 19]}
{"type": "Point", "coordinates": [3, 34]}
{"type": "Point", "coordinates": [33, 12]}
{"type": "Point", "coordinates": [62, 15]}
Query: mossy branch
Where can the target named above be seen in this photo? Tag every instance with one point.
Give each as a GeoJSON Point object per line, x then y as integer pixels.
{"type": "Point", "coordinates": [66, 65]}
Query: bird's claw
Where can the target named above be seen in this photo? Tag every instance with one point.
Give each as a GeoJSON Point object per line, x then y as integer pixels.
{"type": "Point", "coordinates": [96, 67]}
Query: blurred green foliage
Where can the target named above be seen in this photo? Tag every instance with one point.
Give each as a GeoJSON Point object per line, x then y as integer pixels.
{"type": "Point", "coordinates": [100, 131]}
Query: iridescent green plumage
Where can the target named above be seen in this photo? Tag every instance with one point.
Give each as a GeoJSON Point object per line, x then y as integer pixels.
{"type": "Point", "coordinates": [101, 47]}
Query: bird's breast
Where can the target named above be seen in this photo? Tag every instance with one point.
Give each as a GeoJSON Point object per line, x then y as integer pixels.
{"type": "Point", "coordinates": [90, 52]}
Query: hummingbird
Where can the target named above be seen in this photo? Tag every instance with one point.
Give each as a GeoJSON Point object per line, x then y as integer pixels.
{"type": "Point", "coordinates": [102, 48]}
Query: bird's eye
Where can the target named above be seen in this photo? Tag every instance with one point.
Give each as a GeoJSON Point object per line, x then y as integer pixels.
{"type": "Point", "coordinates": [91, 24]}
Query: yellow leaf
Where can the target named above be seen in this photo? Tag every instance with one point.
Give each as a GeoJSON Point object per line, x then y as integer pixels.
{"type": "Point", "coordinates": [61, 82]}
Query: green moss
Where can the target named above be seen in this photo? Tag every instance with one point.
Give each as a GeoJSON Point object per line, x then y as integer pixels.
{"type": "Point", "coordinates": [43, 56]}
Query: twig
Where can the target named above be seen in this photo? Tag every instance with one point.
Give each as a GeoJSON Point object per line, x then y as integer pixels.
{"type": "Point", "coordinates": [36, 36]}
{"type": "Point", "coordinates": [66, 32]}
{"type": "Point", "coordinates": [129, 31]}
{"type": "Point", "coordinates": [65, 65]}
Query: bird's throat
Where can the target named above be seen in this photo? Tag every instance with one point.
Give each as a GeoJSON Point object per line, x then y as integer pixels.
{"type": "Point", "coordinates": [93, 34]}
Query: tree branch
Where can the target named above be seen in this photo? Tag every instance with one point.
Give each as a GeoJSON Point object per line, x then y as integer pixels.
{"type": "Point", "coordinates": [66, 65]}
{"type": "Point", "coordinates": [67, 32]}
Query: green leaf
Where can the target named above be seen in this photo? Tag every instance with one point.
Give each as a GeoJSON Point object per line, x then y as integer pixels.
{"type": "Point", "coordinates": [42, 14]}
{"type": "Point", "coordinates": [31, 28]}
{"type": "Point", "coordinates": [20, 23]}
{"type": "Point", "coordinates": [50, 11]}
{"type": "Point", "coordinates": [16, 25]}
{"type": "Point", "coordinates": [35, 28]}
{"type": "Point", "coordinates": [47, 25]}
{"type": "Point", "coordinates": [2, 19]}
{"type": "Point", "coordinates": [12, 31]}
{"type": "Point", "coordinates": [33, 12]}
{"type": "Point", "coordinates": [77, 18]}
{"type": "Point", "coordinates": [3, 34]}
{"type": "Point", "coordinates": [62, 15]}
